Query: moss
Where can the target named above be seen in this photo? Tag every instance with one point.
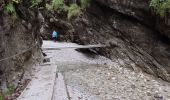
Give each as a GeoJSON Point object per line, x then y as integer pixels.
{"type": "Point", "coordinates": [161, 7]}
{"type": "Point", "coordinates": [1, 96]}
{"type": "Point", "coordinates": [11, 89]}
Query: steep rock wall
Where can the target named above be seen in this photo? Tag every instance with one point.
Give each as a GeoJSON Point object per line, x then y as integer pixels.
{"type": "Point", "coordinates": [16, 36]}
{"type": "Point", "coordinates": [140, 10]}
{"type": "Point", "coordinates": [130, 29]}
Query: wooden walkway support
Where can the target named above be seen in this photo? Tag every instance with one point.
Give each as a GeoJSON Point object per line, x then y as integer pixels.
{"type": "Point", "coordinates": [75, 47]}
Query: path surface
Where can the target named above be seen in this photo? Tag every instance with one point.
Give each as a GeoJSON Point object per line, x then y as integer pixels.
{"type": "Point", "coordinates": [92, 77]}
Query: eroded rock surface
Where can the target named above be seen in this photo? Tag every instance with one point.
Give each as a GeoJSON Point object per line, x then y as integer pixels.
{"type": "Point", "coordinates": [18, 35]}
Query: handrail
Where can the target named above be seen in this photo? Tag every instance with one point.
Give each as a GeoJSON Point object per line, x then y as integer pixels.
{"type": "Point", "coordinates": [19, 53]}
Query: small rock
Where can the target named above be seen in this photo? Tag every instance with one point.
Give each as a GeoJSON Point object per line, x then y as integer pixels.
{"type": "Point", "coordinates": [149, 94]}
{"type": "Point", "coordinates": [158, 96]}
{"type": "Point", "coordinates": [133, 86]}
{"type": "Point", "coordinates": [17, 94]}
{"type": "Point", "coordinates": [13, 95]}
{"type": "Point", "coordinates": [29, 26]}
{"type": "Point", "coordinates": [97, 93]}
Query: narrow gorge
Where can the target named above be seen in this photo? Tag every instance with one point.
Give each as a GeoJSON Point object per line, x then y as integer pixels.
{"type": "Point", "coordinates": [134, 33]}
{"type": "Point", "coordinates": [136, 37]}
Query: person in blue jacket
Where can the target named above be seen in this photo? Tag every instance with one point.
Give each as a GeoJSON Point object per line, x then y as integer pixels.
{"type": "Point", "coordinates": [54, 36]}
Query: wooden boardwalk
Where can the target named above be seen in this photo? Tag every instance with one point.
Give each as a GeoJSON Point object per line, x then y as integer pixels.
{"type": "Point", "coordinates": [48, 83]}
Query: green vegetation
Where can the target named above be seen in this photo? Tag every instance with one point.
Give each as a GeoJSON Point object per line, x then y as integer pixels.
{"type": "Point", "coordinates": [85, 3]}
{"type": "Point", "coordinates": [9, 8]}
{"type": "Point", "coordinates": [35, 3]}
{"type": "Point", "coordinates": [1, 97]}
{"type": "Point", "coordinates": [72, 10]}
{"type": "Point", "coordinates": [161, 7]}
{"type": "Point", "coordinates": [57, 4]}
{"type": "Point", "coordinates": [11, 89]}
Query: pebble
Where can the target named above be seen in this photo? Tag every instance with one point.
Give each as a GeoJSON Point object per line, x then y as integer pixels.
{"type": "Point", "coordinates": [133, 86]}
{"type": "Point", "coordinates": [149, 94]}
{"type": "Point", "coordinates": [158, 96]}
{"type": "Point", "coordinates": [97, 93]}
{"type": "Point", "coordinates": [125, 83]}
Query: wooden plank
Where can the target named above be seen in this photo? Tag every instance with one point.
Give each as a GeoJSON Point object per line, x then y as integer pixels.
{"type": "Point", "coordinates": [60, 91]}
{"type": "Point", "coordinates": [81, 47]}
{"type": "Point", "coordinates": [41, 87]}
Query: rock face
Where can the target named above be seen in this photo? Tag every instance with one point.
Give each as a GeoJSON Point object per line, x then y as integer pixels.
{"type": "Point", "coordinates": [130, 29]}
{"type": "Point", "coordinates": [18, 35]}
{"type": "Point", "coordinates": [140, 10]}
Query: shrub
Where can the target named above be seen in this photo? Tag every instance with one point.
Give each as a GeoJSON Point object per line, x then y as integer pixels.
{"type": "Point", "coordinates": [73, 10]}
{"type": "Point", "coordinates": [9, 8]}
{"type": "Point", "coordinates": [57, 4]}
{"type": "Point", "coordinates": [161, 7]}
{"type": "Point", "coordinates": [1, 96]}
{"type": "Point", "coordinates": [35, 3]}
{"type": "Point", "coordinates": [85, 3]}
{"type": "Point", "coordinates": [11, 89]}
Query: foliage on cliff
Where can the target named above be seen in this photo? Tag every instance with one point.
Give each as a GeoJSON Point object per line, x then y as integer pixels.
{"type": "Point", "coordinates": [161, 7]}
{"type": "Point", "coordinates": [72, 10]}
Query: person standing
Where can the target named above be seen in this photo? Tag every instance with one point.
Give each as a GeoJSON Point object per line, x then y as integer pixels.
{"type": "Point", "coordinates": [54, 36]}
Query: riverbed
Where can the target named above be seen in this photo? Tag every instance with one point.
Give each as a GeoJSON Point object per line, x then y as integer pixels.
{"type": "Point", "coordinates": [93, 77]}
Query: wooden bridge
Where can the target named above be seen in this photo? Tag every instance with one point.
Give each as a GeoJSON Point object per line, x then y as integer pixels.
{"type": "Point", "coordinates": [49, 45]}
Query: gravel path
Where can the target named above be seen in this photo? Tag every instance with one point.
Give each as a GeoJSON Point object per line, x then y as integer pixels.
{"type": "Point", "coordinates": [98, 78]}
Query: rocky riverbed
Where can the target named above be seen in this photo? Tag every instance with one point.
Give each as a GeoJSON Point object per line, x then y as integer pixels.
{"type": "Point", "coordinates": [94, 77]}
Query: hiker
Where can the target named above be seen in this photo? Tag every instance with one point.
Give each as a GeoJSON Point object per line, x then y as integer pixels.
{"type": "Point", "coordinates": [54, 36]}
